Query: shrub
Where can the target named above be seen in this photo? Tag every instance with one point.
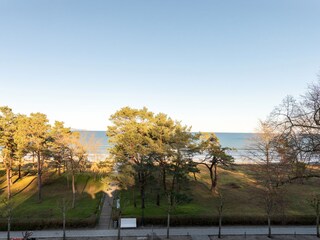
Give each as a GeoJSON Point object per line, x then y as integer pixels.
{"type": "Point", "coordinates": [36, 224]}
{"type": "Point", "coordinates": [227, 220]}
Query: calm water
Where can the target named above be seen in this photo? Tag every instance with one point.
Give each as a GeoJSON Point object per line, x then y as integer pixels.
{"type": "Point", "coordinates": [237, 141]}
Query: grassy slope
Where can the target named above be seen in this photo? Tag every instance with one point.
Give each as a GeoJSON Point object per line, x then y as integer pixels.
{"type": "Point", "coordinates": [240, 191]}
{"type": "Point", "coordinates": [27, 208]}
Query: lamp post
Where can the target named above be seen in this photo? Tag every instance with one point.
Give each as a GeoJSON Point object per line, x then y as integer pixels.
{"type": "Point", "coordinates": [119, 216]}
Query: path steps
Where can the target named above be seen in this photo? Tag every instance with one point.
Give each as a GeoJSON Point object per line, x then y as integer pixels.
{"type": "Point", "coordinates": [105, 221]}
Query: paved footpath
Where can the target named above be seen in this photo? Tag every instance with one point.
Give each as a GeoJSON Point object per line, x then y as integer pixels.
{"type": "Point", "coordinates": [174, 231]}
{"type": "Point", "coordinates": [106, 212]}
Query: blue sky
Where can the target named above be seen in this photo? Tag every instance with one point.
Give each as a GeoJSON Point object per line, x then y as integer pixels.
{"type": "Point", "coordinates": [215, 65]}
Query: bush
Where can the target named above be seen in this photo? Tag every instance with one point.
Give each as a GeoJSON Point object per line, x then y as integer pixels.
{"type": "Point", "coordinates": [227, 220]}
{"type": "Point", "coordinates": [36, 224]}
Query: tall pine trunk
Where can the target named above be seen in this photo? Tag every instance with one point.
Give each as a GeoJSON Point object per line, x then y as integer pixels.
{"type": "Point", "coordinates": [142, 195]}
{"type": "Point", "coordinates": [164, 180]}
{"type": "Point", "coordinates": [8, 182]}
{"type": "Point", "coordinates": [215, 178]}
{"type": "Point", "coordinates": [39, 176]}
{"type": "Point", "coordinates": [142, 189]}
{"type": "Point", "coordinates": [59, 169]}
{"type": "Point", "coordinates": [19, 170]}
{"type": "Point", "coordinates": [142, 192]}
{"type": "Point", "coordinates": [134, 197]}
{"type": "Point", "coordinates": [73, 191]}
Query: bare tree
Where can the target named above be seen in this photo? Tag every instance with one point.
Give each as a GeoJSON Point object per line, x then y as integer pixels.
{"type": "Point", "coordinates": [315, 203]}
{"type": "Point", "coordinates": [269, 168]}
{"type": "Point", "coordinates": [300, 121]}
{"type": "Point", "coordinates": [63, 206]}
{"type": "Point", "coordinates": [220, 211]}
{"type": "Point", "coordinates": [269, 201]}
{"type": "Point", "coordinates": [77, 156]}
{"type": "Point", "coordinates": [6, 212]}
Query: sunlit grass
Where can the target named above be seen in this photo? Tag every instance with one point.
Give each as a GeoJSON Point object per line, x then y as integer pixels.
{"type": "Point", "coordinates": [55, 188]}
{"type": "Point", "coordinates": [241, 196]}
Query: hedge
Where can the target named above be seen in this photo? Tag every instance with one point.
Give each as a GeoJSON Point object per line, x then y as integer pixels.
{"type": "Point", "coordinates": [36, 224]}
{"type": "Point", "coordinates": [183, 220]}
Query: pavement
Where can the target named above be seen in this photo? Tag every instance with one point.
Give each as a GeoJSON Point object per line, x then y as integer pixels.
{"type": "Point", "coordinates": [199, 233]}
{"type": "Point", "coordinates": [106, 211]}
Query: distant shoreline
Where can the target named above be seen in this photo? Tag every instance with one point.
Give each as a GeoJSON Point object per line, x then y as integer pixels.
{"type": "Point", "coordinates": [84, 130]}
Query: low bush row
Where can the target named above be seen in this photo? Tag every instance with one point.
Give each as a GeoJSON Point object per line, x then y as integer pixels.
{"type": "Point", "coordinates": [35, 224]}
{"type": "Point", "coordinates": [228, 220]}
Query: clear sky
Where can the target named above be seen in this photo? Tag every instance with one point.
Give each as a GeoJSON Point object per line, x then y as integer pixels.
{"type": "Point", "coordinates": [215, 65]}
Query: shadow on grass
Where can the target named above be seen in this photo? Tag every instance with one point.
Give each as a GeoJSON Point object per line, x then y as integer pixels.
{"type": "Point", "coordinates": [20, 191]}
{"type": "Point", "coordinates": [47, 214]}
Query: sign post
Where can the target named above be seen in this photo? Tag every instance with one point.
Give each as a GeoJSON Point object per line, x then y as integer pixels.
{"type": "Point", "coordinates": [119, 216]}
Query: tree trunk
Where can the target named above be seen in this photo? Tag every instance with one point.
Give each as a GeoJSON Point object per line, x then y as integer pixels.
{"type": "Point", "coordinates": [67, 181]}
{"type": "Point", "coordinates": [33, 166]}
{"type": "Point", "coordinates": [9, 225]}
{"type": "Point", "coordinates": [64, 220]}
{"type": "Point", "coordinates": [215, 179]}
{"type": "Point", "coordinates": [59, 169]}
{"type": "Point", "coordinates": [8, 182]}
{"type": "Point", "coordinates": [164, 180]}
{"type": "Point", "coordinates": [169, 211]}
{"type": "Point", "coordinates": [65, 166]}
{"type": "Point", "coordinates": [19, 170]}
{"type": "Point", "coordinates": [168, 224]}
{"type": "Point", "coordinates": [318, 234]}
{"type": "Point", "coordinates": [194, 176]}
{"type": "Point", "coordinates": [142, 190]}
{"type": "Point", "coordinates": [220, 225]}
{"type": "Point", "coordinates": [134, 197]}
{"type": "Point", "coordinates": [172, 190]}
{"type": "Point", "coordinates": [39, 176]}
{"type": "Point", "coordinates": [158, 199]}
{"type": "Point", "coordinates": [73, 191]}
{"type": "Point", "coordinates": [269, 227]}
{"type": "Point", "coordinates": [211, 178]}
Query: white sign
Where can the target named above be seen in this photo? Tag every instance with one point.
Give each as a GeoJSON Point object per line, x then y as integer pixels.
{"type": "Point", "coordinates": [128, 222]}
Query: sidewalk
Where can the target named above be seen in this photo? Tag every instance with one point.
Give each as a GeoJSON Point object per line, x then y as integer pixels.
{"type": "Point", "coordinates": [106, 212]}
{"type": "Point", "coordinates": [174, 231]}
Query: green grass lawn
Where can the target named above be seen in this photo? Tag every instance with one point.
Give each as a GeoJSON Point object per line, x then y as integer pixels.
{"type": "Point", "coordinates": [242, 197]}
{"type": "Point", "coordinates": [243, 202]}
{"type": "Point", "coordinates": [28, 211]}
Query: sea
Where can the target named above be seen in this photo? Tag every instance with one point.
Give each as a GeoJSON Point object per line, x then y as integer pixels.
{"type": "Point", "coordinates": [238, 142]}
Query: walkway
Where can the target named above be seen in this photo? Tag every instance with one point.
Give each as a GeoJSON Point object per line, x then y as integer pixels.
{"type": "Point", "coordinates": [105, 221]}
{"type": "Point", "coordinates": [190, 231]}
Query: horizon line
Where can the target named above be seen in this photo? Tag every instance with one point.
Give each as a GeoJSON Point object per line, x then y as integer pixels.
{"type": "Point", "coordinates": [87, 130]}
